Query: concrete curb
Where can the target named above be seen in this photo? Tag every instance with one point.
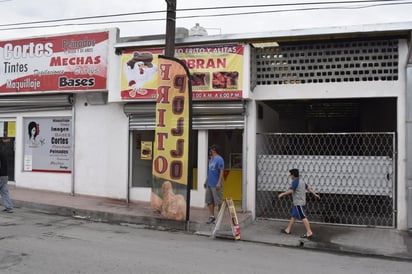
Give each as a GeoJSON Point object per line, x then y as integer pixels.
{"type": "Point", "coordinates": [151, 222]}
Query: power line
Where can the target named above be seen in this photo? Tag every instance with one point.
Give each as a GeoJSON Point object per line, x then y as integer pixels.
{"type": "Point", "coordinates": [206, 8]}
{"type": "Point", "coordinates": [290, 4]}
{"type": "Point", "coordinates": [200, 9]}
{"type": "Point", "coordinates": [288, 10]}
{"type": "Point", "coordinates": [373, 3]}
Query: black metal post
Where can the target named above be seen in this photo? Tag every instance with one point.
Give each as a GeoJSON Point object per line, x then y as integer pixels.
{"type": "Point", "coordinates": [170, 28]}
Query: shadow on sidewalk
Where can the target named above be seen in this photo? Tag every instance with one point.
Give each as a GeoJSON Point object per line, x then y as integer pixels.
{"type": "Point", "coordinates": [112, 210]}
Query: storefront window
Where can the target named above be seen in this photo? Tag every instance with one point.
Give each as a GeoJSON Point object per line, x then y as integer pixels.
{"type": "Point", "coordinates": [142, 157]}
{"type": "Point", "coordinates": [142, 154]}
{"type": "Point", "coordinates": [47, 144]}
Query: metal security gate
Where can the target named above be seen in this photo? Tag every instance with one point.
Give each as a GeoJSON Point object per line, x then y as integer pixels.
{"type": "Point", "coordinates": [206, 115]}
{"type": "Point", "coordinates": [355, 174]}
{"type": "Point", "coordinates": [30, 103]}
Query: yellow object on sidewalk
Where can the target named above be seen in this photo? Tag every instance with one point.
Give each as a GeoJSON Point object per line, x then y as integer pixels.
{"type": "Point", "coordinates": [234, 222]}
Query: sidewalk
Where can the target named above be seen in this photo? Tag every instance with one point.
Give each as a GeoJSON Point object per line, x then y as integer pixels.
{"type": "Point", "coordinates": [388, 243]}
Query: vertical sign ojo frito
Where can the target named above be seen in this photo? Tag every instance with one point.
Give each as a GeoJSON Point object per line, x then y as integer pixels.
{"type": "Point", "coordinates": [171, 170]}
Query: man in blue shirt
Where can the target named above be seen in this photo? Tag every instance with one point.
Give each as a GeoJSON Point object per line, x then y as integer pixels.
{"type": "Point", "coordinates": [298, 191]}
{"type": "Point", "coordinates": [214, 182]}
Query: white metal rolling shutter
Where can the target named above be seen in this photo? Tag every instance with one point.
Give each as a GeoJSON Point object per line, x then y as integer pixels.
{"type": "Point", "coordinates": [206, 115]}
{"type": "Point", "coordinates": [25, 103]}
{"type": "Point", "coordinates": [141, 116]}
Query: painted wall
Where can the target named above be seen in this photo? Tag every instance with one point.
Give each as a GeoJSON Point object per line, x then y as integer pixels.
{"type": "Point", "coordinates": [101, 149]}
{"type": "Point", "coordinates": [101, 139]}
{"type": "Point", "coordinates": [269, 121]}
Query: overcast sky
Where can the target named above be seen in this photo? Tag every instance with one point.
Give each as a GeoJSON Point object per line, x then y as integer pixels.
{"type": "Point", "coordinates": [285, 17]}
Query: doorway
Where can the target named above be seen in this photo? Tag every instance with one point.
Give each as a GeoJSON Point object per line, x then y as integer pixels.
{"type": "Point", "coordinates": [7, 144]}
{"type": "Point", "coordinates": [230, 143]}
{"type": "Point", "coordinates": [344, 149]}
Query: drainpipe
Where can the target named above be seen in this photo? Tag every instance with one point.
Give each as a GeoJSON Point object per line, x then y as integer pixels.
{"type": "Point", "coordinates": [245, 166]}
{"type": "Point", "coordinates": [73, 143]}
{"type": "Point", "coordinates": [130, 164]}
{"type": "Point", "coordinates": [409, 138]}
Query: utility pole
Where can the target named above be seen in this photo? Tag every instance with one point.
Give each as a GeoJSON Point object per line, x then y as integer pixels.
{"type": "Point", "coordinates": [170, 28]}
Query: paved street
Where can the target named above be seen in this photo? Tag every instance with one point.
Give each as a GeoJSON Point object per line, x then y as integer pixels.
{"type": "Point", "coordinates": [32, 242]}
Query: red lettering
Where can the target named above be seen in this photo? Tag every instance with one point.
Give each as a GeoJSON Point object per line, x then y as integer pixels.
{"type": "Point", "coordinates": [200, 63]}
{"type": "Point", "coordinates": [160, 137]}
{"type": "Point", "coordinates": [178, 105]}
{"type": "Point", "coordinates": [163, 94]}
{"type": "Point", "coordinates": [211, 63]}
{"type": "Point", "coordinates": [165, 71]}
{"type": "Point", "coordinates": [179, 83]}
{"type": "Point", "coordinates": [178, 152]}
{"type": "Point", "coordinates": [160, 164]}
{"type": "Point", "coordinates": [221, 63]}
{"type": "Point", "coordinates": [161, 117]}
{"type": "Point", "coordinates": [191, 63]}
{"type": "Point", "coordinates": [178, 131]}
{"type": "Point", "coordinates": [205, 64]}
{"type": "Point", "coordinates": [176, 170]}
{"type": "Point", "coordinates": [73, 61]}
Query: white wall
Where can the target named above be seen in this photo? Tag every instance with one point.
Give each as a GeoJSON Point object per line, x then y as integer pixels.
{"type": "Point", "coordinates": [269, 121]}
{"type": "Point", "coordinates": [101, 134]}
{"type": "Point", "coordinates": [250, 183]}
{"type": "Point", "coordinates": [101, 149]}
{"type": "Point", "coordinates": [197, 197]}
{"type": "Point", "coordinates": [402, 221]}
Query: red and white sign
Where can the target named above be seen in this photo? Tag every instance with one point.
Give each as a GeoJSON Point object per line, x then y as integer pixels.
{"type": "Point", "coordinates": [76, 62]}
{"type": "Point", "coordinates": [216, 72]}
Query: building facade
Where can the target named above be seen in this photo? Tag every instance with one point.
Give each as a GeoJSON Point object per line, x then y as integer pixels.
{"type": "Point", "coordinates": [332, 102]}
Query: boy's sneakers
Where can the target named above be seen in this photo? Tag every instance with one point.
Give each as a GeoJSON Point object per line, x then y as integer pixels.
{"type": "Point", "coordinates": [8, 210]}
{"type": "Point", "coordinates": [211, 220]}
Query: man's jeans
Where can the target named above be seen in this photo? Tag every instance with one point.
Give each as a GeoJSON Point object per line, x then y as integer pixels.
{"type": "Point", "coordinates": [4, 191]}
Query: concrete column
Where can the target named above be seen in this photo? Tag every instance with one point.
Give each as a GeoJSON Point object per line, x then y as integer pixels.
{"type": "Point", "coordinates": [198, 196]}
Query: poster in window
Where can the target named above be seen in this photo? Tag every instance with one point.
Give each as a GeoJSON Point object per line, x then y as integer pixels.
{"type": "Point", "coordinates": [146, 153]}
{"type": "Point", "coordinates": [235, 160]}
{"type": "Point", "coordinates": [11, 129]}
{"type": "Point", "coordinates": [48, 144]}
